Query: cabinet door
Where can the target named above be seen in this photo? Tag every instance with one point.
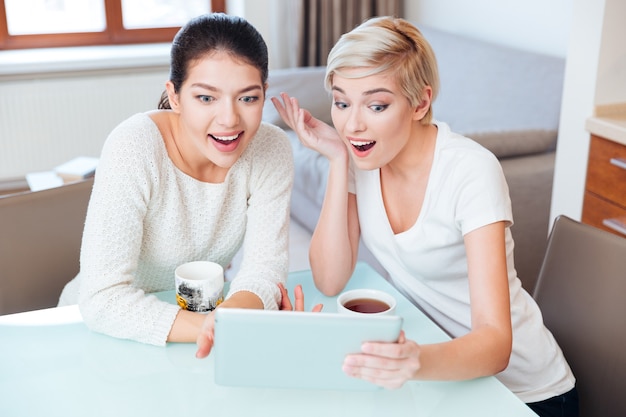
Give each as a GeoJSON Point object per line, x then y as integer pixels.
{"type": "Point", "coordinates": [604, 205]}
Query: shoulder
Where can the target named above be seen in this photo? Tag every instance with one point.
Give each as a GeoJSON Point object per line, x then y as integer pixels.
{"type": "Point", "coordinates": [134, 145]}
{"type": "Point", "coordinates": [462, 151]}
{"type": "Point", "coordinates": [272, 136]}
{"type": "Point", "coordinates": [463, 164]}
{"type": "Point", "coordinates": [136, 124]}
{"type": "Point", "coordinates": [138, 133]}
{"type": "Point", "coordinates": [270, 143]}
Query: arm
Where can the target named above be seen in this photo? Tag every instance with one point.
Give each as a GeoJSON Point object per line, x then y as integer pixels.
{"type": "Point", "coordinates": [334, 244]}
{"type": "Point", "coordinates": [110, 300]}
{"type": "Point", "coordinates": [485, 350]}
{"type": "Point", "coordinates": [335, 241]}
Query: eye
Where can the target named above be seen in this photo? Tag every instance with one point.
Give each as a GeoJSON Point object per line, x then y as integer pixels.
{"type": "Point", "coordinates": [205, 99]}
{"type": "Point", "coordinates": [377, 108]}
{"type": "Point", "coordinates": [249, 99]}
{"type": "Point", "coordinates": [341, 105]}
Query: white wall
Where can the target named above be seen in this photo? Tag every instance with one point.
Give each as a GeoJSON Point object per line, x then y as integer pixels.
{"type": "Point", "coordinates": [611, 77]}
{"type": "Point", "coordinates": [270, 18]}
{"type": "Point", "coordinates": [535, 25]}
{"type": "Point", "coordinates": [595, 75]}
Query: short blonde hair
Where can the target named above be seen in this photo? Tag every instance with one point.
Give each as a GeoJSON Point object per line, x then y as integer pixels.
{"type": "Point", "coordinates": [388, 44]}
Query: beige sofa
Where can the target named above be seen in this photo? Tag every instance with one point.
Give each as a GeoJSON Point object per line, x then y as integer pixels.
{"type": "Point", "coordinates": [506, 99]}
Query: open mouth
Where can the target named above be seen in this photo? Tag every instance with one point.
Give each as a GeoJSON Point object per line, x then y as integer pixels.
{"type": "Point", "coordinates": [361, 146]}
{"type": "Point", "coordinates": [226, 143]}
{"type": "Point", "coordinates": [226, 140]}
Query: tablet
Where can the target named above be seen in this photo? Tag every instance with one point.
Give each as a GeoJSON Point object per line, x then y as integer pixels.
{"type": "Point", "coordinates": [288, 349]}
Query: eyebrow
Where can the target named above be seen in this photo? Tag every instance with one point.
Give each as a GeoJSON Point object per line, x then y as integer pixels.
{"type": "Point", "coordinates": [368, 92]}
{"type": "Point", "coordinates": [212, 88]}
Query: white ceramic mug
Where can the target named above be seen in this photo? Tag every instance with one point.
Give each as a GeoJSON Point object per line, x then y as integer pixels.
{"type": "Point", "coordinates": [366, 301]}
{"type": "Point", "coordinates": [199, 285]}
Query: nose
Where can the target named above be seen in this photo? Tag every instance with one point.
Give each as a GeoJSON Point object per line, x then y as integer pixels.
{"type": "Point", "coordinates": [354, 122]}
{"type": "Point", "coordinates": [228, 114]}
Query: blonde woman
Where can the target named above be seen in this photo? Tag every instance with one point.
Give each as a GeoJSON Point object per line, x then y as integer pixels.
{"type": "Point", "coordinates": [434, 209]}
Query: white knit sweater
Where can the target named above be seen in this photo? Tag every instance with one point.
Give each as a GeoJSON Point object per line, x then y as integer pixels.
{"type": "Point", "coordinates": [146, 217]}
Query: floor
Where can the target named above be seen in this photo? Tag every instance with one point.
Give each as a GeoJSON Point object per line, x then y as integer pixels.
{"type": "Point", "coordinates": [299, 239]}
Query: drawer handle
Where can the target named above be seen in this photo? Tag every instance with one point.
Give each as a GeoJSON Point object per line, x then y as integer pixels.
{"type": "Point", "coordinates": [616, 225]}
{"type": "Point", "coordinates": [619, 162]}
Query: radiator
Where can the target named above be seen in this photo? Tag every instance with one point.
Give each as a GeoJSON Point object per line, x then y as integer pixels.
{"type": "Point", "coordinates": [45, 122]}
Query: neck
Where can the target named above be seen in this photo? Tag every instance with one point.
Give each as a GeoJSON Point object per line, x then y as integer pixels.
{"type": "Point", "coordinates": [189, 159]}
{"type": "Point", "coordinates": [417, 155]}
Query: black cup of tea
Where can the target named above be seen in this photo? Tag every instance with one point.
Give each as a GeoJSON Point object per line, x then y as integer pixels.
{"type": "Point", "coordinates": [366, 301]}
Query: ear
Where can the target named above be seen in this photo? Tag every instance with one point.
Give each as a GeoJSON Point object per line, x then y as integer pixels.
{"type": "Point", "coordinates": [424, 104]}
{"type": "Point", "coordinates": [172, 96]}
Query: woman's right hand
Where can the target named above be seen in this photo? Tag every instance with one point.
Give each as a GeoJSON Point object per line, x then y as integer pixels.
{"type": "Point", "coordinates": [206, 336]}
{"type": "Point", "coordinates": [312, 132]}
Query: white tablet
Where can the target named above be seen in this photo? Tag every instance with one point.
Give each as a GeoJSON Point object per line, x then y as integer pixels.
{"type": "Point", "coordinates": [287, 349]}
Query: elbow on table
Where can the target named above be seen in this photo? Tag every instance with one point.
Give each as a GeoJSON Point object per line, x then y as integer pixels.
{"type": "Point", "coordinates": [91, 315]}
{"type": "Point", "coordinates": [330, 283]}
{"type": "Point", "coordinates": [329, 288]}
{"type": "Point", "coordinates": [501, 359]}
{"type": "Point", "coordinates": [501, 364]}
{"type": "Point", "coordinates": [94, 315]}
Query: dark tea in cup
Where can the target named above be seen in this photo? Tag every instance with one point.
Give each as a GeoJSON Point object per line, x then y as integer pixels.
{"type": "Point", "coordinates": [366, 301]}
{"type": "Point", "coordinates": [366, 305]}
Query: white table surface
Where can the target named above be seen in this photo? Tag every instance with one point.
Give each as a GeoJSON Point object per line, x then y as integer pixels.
{"type": "Point", "coordinates": [52, 365]}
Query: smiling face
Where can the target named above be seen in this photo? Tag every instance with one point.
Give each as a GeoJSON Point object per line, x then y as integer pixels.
{"type": "Point", "coordinates": [374, 119]}
{"type": "Point", "coordinates": [220, 107]}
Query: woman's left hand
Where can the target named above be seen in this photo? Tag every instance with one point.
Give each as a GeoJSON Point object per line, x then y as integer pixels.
{"type": "Point", "coordinates": [285, 303]}
{"type": "Point", "coordinates": [388, 365]}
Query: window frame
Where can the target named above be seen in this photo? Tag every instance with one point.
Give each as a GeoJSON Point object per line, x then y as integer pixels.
{"type": "Point", "coordinates": [114, 34]}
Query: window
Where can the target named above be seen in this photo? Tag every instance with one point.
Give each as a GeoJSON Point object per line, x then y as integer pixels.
{"type": "Point", "coordinates": [51, 23]}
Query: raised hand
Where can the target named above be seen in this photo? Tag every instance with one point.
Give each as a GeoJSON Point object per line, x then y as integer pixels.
{"type": "Point", "coordinates": [312, 132]}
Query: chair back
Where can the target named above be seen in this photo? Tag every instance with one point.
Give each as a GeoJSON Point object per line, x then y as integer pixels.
{"type": "Point", "coordinates": [40, 238]}
{"type": "Point", "coordinates": [581, 290]}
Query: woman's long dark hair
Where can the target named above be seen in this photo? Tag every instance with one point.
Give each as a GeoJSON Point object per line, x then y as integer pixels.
{"type": "Point", "coordinates": [214, 32]}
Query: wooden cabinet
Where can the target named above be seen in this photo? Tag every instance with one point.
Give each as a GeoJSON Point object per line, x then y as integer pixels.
{"type": "Point", "coordinates": [604, 205]}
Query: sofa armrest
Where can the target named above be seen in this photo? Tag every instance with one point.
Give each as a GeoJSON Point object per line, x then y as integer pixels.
{"type": "Point", "coordinates": [530, 187]}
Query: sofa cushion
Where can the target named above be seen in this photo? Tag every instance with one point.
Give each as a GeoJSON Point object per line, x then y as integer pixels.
{"type": "Point", "coordinates": [518, 142]}
{"type": "Point", "coordinates": [304, 83]}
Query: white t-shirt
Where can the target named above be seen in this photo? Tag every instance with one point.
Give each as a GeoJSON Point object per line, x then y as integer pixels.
{"type": "Point", "coordinates": [466, 190]}
{"type": "Point", "coordinates": [146, 217]}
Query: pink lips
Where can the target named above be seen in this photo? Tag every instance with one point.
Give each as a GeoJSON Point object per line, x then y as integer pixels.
{"type": "Point", "coordinates": [362, 148]}
{"type": "Point", "coordinates": [226, 143]}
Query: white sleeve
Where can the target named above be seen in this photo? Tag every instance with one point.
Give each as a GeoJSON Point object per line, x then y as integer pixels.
{"type": "Point", "coordinates": [108, 301]}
